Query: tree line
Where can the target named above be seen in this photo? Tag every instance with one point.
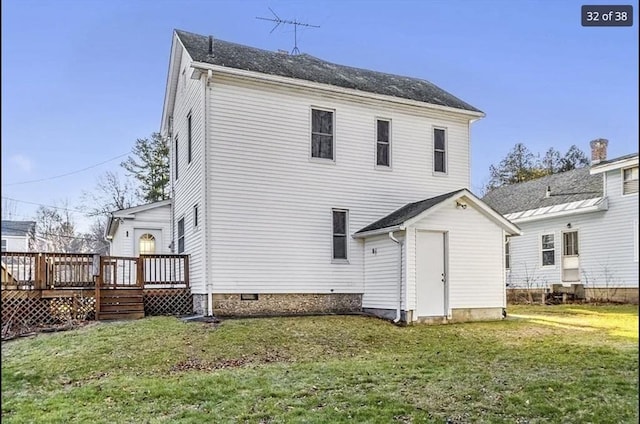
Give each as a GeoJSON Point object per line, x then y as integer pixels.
{"type": "Point", "coordinates": [144, 179]}
{"type": "Point", "coordinates": [521, 165]}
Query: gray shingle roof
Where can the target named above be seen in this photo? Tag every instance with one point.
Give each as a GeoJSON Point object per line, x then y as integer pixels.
{"type": "Point", "coordinates": [18, 228]}
{"type": "Point", "coordinates": [407, 212]}
{"type": "Point", "coordinates": [309, 68]}
{"type": "Point", "coordinates": [566, 187]}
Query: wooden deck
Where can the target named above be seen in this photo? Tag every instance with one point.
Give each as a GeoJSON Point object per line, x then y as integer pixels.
{"type": "Point", "coordinates": [53, 287]}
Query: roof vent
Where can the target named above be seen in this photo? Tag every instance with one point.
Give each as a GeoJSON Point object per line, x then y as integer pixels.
{"type": "Point", "coordinates": [598, 150]}
{"type": "Point", "coordinates": [283, 52]}
{"type": "Point", "coordinates": [211, 44]}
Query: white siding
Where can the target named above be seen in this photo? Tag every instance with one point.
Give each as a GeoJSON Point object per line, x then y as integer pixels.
{"type": "Point", "coordinates": [606, 244]}
{"type": "Point", "coordinates": [474, 257]}
{"type": "Point", "coordinates": [17, 243]}
{"type": "Point", "coordinates": [381, 273]}
{"type": "Point", "coordinates": [124, 242]}
{"type": "Point", "coordinates": [269, 220]}
{"type": "Point", "coordinates": [187, 189]}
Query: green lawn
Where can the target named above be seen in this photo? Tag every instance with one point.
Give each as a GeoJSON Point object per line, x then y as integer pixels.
{"type": "Point", "coordinates": [543, 364]}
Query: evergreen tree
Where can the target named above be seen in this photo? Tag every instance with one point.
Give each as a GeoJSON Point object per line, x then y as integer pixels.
{"type": "Point", "coordinates": [150, 166]}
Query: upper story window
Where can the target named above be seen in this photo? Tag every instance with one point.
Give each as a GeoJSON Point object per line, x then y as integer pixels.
{"type": "Point", "coordinates": [383, 142]}
{"type": "Point", "coordinates": [322, 134]}
{"type": "Point", "coordinates": [630, 180]}
{"type": "Point", "coordinates": [439, 150]}
{"type": "Point", "coordinates": [189, 138]}
{"type": "Point", "coordinates": [339, 234]}
{"type": "Point", "coordinates": [195, 216]}
{"type": "Point", "coordinates": [175, 173]}
{"type": "Point", "coordinates": [548, 250]}
{"type": "Point", "coordinates": [4, 245]}
{"type": "Point", "coordinates": [181, 235]}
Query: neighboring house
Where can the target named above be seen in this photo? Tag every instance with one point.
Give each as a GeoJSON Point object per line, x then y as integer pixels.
{"type": "Point", "coordinates": [144, 229]}
{"type": "Point", "coordinates": [303, 186]}
{"type": "Point", "coordinates": [579, 227]}
{"type": "Point", "coordinates": [20, 236]}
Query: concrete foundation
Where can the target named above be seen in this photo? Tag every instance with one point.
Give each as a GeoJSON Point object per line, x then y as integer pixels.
{"type": "Point", "coordinates": [475, 314]}
{"type": "Point", "coordinates": [285, 304]}
{"type": "Point", "coordinates": [622, 295]}
{"type": "Point", "coordinates": [200, 304]}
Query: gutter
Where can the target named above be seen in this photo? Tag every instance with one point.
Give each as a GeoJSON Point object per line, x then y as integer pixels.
{"type": "Point", "coordinates": [205, 197]}
{"type": "Point", "coordinates": [399, 291]}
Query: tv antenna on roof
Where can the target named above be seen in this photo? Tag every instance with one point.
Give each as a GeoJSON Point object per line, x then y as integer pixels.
{"type": "Point", "coordinates": [295, 24]}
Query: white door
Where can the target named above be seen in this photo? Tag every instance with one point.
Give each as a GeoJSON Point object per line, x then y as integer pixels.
{"type": "Point", "coordinates": [570, 257]}
{"type": "Point", "coordinates": [431, 281]}
{"type": "Point", "coordinates": [148, 242]}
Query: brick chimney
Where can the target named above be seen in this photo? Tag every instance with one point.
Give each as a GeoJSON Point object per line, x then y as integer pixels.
{"type": "Point", "coordinates": [598, 150]}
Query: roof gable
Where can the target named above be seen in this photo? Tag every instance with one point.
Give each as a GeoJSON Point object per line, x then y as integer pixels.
{"type": "Point", "coordinates": [309, 68]}
{"type": "Point", "coordinates": [412, 212]}
{"type": "Point", "coordinates": [566, 187]}
{"type": "Point", "coordinates": [615, 163]}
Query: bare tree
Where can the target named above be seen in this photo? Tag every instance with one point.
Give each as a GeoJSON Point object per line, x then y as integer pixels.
{"type": "Point", "coordinates": [112, 193]}
{"type": "Point", "coordinates": [57, 227]}
{"type": "Point", "coordinates": [9, 208]}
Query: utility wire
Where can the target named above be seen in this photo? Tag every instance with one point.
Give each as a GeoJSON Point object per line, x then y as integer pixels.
{"type": "Point", "coordinates": [68, 173]}
{"type": "Point", "coordinates": [41, 204]}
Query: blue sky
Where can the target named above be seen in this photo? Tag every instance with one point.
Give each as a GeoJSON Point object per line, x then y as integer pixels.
{"type": "Point", "coordinates": [83, 79]}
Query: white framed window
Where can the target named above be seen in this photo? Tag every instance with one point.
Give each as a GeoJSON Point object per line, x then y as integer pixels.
{"type": "Point", "coordinates": [635, 241]}
{"type": "Point", "coordinates": [340, 230]}
{"type": "Point", "coordinates": [322, 134]}
{"type": "Point", "coordinates": [548, 250]}
{"type": "Point", "coordinates": [507, 252]}
{"type": "Point", "coordinates": [175, 173]}
{"type": "Point", "coordinates": [181, 235]}
{"type": "Point", "coordinates": [189, 138]}
{"type": "Point", "coordinates": [630, 180]}
{"type": "Point", "coordinates": [195, 216]}
{"type": "Point", "coordinates": [4, 245]}
{"type": "Point", "coordinates": [440, 150]}
{"type": "Point", "coordinates": [147, 244]}
{"type": "Point", "coordinates": [383, 143]}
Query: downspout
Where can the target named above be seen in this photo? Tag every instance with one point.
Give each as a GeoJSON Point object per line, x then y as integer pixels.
{"type": "Point", "coordinates": [205, 197]}
{"type": "Point", "coordinates": [399, 291]}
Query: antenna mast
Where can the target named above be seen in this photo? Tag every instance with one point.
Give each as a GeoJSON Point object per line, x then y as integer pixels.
{"type": "Point", "coordinates": [295, 24]}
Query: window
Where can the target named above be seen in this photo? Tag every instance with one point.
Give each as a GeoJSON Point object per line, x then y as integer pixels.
{"type": "Point", "coordinates": [4, 245]}
{"type": "Point", "coordinates": [507, 252]}
{"type": "Point", "coordinates": [548, 250]}
{"type": "Point", "coordinates": [321, 134]}
{"type": "Point", "coordinates": [439, 150]}
{"type": "Point", "coordinates": [181, 235]}
{"type": "Point", "coordinates": [635, 241]}
{"type": "Point", "coordinates": [195, 216]}
{"type": "Point", "coordinates": [339, 234]}
{"type": "Point", "coordinates": [147, 244]}
{"type": "Point", "coordinates": [189, 137]}
{"type": "Point", "coordinates": [630, 180]}
{"type": "Point", "coordinates": [383, 146]}
{"type": "Point", "coordinates": [570, 243]}
{"type": "Point", "coordinates": [175, 174]}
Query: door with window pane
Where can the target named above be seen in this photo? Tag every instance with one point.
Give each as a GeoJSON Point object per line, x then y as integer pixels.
{"type": "Point", "coordinates": [570, 257]}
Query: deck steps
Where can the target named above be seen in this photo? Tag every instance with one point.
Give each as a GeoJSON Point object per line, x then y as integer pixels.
{"type": "Point", "coordinates": [121, 304]}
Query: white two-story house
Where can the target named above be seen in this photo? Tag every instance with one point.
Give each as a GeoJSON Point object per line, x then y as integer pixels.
{"type": "Point", "coordinates": [579, 227]}
{"type": "Point", "coordinates": [303, 186]}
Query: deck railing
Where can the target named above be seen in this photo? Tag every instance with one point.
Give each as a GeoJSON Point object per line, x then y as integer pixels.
{"type": "Point", "coordinates": [51, 271]}
{"type": "Point", "coordinates": [165, 271]}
